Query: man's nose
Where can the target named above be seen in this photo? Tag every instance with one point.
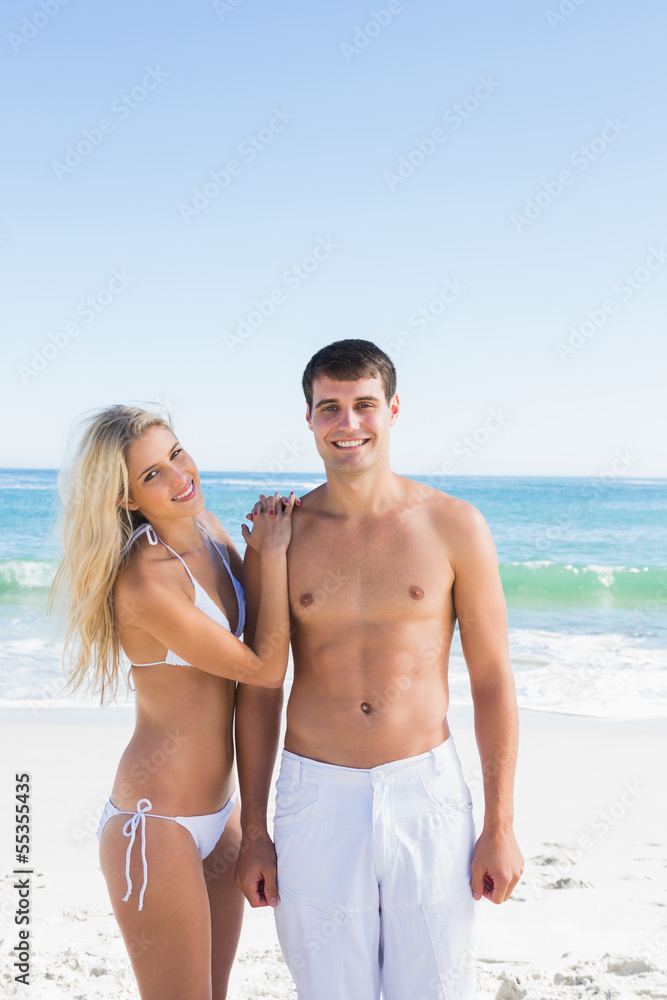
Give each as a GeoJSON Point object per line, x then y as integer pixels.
{"type": "Point", "coordinates": [349, 417]}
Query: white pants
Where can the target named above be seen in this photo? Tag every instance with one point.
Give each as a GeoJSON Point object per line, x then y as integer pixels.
{"type": "Point", "coordinates": [374, 878]}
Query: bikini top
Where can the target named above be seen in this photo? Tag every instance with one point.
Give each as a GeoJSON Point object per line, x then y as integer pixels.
{"type": "Point", "coordinates": [202, 599]}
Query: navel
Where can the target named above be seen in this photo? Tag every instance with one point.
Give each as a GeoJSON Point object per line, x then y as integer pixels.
{"type": "Point", "coordinates": [416, 593]}
{"type": "Point", "coordinates": [306, 600]}
{"type": "Point", "coordinates": [365, 707]}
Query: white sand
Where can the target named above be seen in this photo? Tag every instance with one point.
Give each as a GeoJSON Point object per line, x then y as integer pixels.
{"type": "Point", "coordinates": [589, 918]}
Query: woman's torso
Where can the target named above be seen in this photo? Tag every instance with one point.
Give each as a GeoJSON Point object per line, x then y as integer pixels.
{"type": "Point", "coordinates": [181, 754]}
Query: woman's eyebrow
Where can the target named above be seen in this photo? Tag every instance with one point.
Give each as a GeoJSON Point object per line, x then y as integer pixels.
{"type": "Point", "coordinates": [155, 463]}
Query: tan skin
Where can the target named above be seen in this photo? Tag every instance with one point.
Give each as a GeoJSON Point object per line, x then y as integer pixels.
{"type": "Point", "coordinates": [380, 568]}
{"type": "Point", "coordinates": [182, 943]}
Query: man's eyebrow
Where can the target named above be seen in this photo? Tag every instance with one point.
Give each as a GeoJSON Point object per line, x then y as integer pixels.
{"type": "Point", "coordinates": [175, 445]}
{"type": "Point", "coordinates": [358, 399]}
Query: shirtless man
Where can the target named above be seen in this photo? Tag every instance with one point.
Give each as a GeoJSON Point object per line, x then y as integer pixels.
{"type": "Point", "coordinates": [377, 865]}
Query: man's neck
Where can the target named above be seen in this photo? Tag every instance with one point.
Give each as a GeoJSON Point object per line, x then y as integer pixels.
{"type": "Point", "coordinates": [371, 492]}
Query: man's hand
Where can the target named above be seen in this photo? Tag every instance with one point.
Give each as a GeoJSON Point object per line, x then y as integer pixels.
{"type": "Point", "coordinates": [256, 873]}
{"type": "Point", "coordinates": [497, 866]}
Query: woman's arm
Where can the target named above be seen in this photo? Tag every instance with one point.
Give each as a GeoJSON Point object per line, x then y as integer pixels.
{"type": "Point", "coordinates": [162, 609]}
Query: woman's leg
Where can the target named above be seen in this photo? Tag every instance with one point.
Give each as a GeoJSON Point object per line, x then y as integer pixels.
{"type": "Point", "coordinates": [169, 940]}
{"type": "Point", "coordinates": [226, 903]}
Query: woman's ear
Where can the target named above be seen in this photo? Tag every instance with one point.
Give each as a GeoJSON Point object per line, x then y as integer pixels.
{"type": "Point", "coordinates": [128, 504]}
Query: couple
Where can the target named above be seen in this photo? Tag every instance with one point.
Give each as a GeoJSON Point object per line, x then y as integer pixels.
{"type": "Point", "coordinates": [377, 865]}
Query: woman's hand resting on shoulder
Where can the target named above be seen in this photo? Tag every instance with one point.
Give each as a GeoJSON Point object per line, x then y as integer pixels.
{"type": "Point", "coordinates": [271, 523]}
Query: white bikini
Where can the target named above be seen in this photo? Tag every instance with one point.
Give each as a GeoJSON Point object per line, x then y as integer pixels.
{"type": "Point", "coordinates": [207, 829]}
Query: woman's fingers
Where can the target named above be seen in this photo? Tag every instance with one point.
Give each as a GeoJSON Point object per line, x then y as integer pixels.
{"type": "Point", "coordinates": [291, 499]}
{"type": "Point", "coordinates": [272, 505]}
{"type": "Point", "coordinates": [257, 509]}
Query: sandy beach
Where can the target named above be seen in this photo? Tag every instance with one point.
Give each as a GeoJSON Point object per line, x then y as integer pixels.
{"type": "Point", "coordinates": [588, 919]}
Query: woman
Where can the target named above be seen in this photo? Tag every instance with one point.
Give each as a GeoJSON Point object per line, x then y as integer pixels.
{"type": "Point", "coordinates": [147, 570]}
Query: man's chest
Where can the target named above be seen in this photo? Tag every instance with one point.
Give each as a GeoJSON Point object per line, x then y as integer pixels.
{"type": "Point", "coordinates": [392, 573]}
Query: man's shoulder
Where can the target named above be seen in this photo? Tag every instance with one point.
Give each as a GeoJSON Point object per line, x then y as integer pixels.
{"type": "Point", "coordinates": [448, 510]}
{"type": "Point", "coordinates": [313, 500]}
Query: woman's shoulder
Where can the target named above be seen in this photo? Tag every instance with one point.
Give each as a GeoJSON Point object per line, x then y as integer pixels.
{"type": "Point", "coordinates": [216, 530]}
{"type": "Point", "coordinates": [221, 536]}
{"type": "Point", "coordinates": [145, 569]}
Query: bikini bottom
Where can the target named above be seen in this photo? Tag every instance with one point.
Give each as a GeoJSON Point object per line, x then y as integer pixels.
{"type": "Point", "coordinates": [205, 830]}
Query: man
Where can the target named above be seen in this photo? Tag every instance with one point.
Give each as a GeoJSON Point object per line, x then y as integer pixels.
{"type": "Point", "coordinates": [376, 872]}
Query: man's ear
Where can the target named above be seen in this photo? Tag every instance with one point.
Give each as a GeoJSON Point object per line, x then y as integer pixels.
{"type": "Point", "coordinates": [308, 417]}
{"type": "Point", "coordinates": [394, 409]}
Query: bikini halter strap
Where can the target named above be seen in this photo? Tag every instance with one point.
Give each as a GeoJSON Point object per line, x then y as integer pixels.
{"type": "Point", "coordinates": [144, 529]}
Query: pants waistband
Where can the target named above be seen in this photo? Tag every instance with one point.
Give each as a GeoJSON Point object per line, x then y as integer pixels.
{"type": "Point", "coordinates": [304, 768]}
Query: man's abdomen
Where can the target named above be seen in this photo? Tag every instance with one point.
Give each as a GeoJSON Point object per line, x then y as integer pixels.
{"type": "Point", "coordinates": [361, 705]}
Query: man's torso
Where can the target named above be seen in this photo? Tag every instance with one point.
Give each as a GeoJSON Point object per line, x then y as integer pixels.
{"type": "Point", "coordinates": [373, 617]}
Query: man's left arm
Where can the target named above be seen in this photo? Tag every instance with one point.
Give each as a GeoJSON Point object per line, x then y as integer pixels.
{"type": "Point", "coordinates": [497, 862]}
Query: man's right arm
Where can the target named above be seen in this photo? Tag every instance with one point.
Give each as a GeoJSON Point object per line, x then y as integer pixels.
{"type": "Point", "coordinates": [257, 731]}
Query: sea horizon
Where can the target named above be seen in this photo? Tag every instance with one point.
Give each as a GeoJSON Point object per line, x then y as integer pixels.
{"type": "Point", "coordinates": [582, 560]}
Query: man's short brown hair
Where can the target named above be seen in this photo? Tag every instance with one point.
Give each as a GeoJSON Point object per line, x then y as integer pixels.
{"type": "Point", "coordinates": [347, 361]}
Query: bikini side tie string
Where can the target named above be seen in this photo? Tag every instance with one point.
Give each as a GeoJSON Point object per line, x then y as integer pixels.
{"type": "Point", "coordinates": [130, 829]}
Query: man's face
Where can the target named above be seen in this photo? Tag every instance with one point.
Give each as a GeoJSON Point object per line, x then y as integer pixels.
{"type": "Point", "coordinates": [351, 421]}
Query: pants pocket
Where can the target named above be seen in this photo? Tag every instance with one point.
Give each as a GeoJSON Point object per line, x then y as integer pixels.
{"type": "Point", "coordinates": [450, 921]}
{"type": "Point", "coordinates": [295, 802]}
{"type": "Point", "coordinates": [447, 792]}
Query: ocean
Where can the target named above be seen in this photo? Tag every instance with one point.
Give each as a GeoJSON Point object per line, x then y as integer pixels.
{"type": "Point", "coordinates": [583, 564]}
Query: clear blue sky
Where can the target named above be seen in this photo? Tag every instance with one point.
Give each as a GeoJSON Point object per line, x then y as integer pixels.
{"type": "Point", "coordinates": [406, 144]}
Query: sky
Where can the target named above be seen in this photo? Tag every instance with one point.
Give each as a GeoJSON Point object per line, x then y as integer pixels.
{"type": "Point", "coordinates": [198, 197]}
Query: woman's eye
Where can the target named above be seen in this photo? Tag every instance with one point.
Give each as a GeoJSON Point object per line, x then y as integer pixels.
{"type": "Point", "coordinates": [177, 452]}
{"type": "Point", "coordinates": [149, 477]}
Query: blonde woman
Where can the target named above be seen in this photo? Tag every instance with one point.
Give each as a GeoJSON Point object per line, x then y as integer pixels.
{"type": "Point", "coordinates": [148, 570]}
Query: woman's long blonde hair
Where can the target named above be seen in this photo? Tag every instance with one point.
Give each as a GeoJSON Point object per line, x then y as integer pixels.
{"type": "Point", "coordinates": [95, 526]}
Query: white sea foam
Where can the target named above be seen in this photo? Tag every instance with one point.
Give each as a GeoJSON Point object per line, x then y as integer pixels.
{"type": "Point", "coordinates": [609, 675]}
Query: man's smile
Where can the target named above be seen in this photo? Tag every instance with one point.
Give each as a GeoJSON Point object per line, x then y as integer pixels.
{"type": "Point", "coordinates": [355, 443]}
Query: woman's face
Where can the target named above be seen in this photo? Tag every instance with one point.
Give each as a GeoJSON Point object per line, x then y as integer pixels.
{"type": "Point", "coordinates": [163, 479]}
